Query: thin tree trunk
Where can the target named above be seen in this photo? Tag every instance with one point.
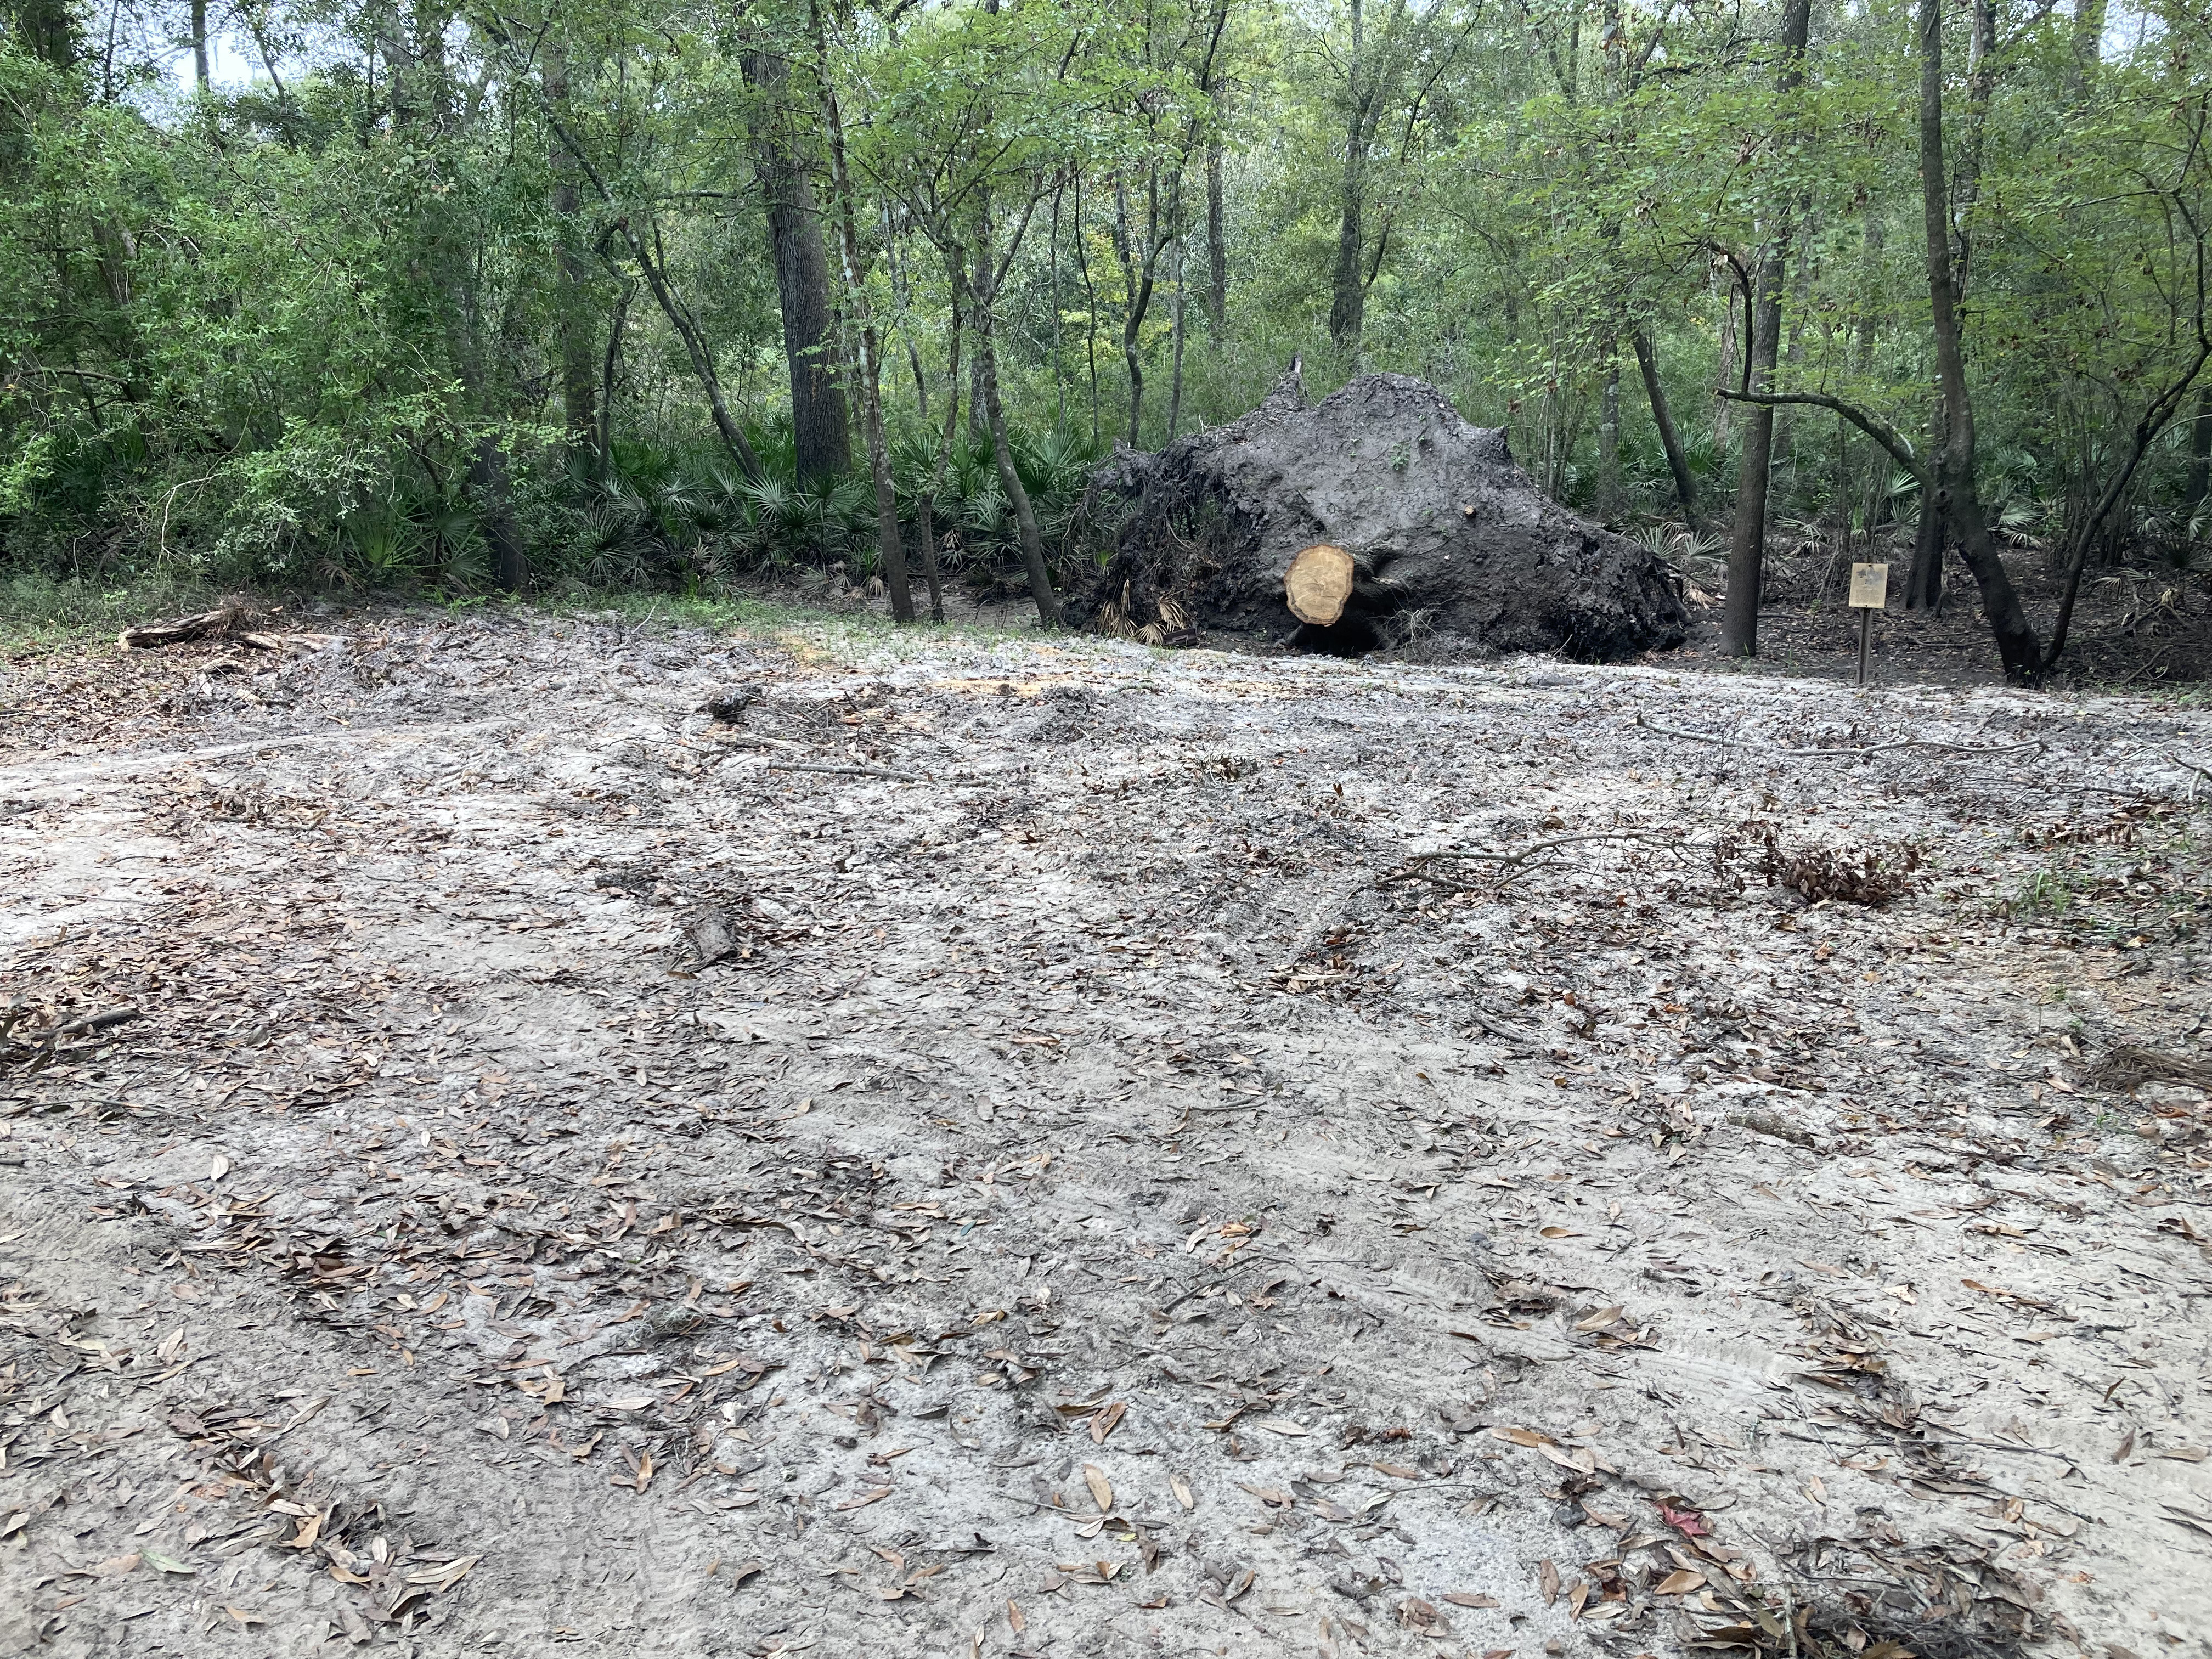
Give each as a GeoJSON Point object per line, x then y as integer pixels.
{"type": "Point", "coordinates": [1174, 381]}
{"type": "Point", "coordinates": [1608, 437]}
{"type": "Point", "coordinates": [1347, 309]}
{"type": "Point", "coordinates": [820, 443]}
{"type": "Point", "coordinates": [1137, 275]}
{"type": "Point", "coordinates": [1026, 520]}
{"type": "Point", "coordinates": [891, 547]}
{"type": "Point", "coordinates": [1957, 501]}
{"type": "Point", "coordinates": [903, 295]}
{"type": "Point", "coordinates": [1724, 411]}
{"type": "Point", "coordinates": [694, 348]}
{"type": "Point", "coordinates": [199, 45]}
{"type": "Point", "coordinates": [679, 315]}
{"type": "Point", "coordinates": [1663, 416]}
{"type": "Point", "coordinates": [602, 447]}
{"type": "Point", "coordinates": [1090, 310]}
{"type": "Point", "coordinates": [1748, 545]}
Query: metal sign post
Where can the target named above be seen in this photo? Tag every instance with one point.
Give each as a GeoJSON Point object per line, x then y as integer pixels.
{"type": "Point", "coordinates": [1870, 593]}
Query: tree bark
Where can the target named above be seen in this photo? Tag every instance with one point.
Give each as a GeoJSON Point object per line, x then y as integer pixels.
{"type": "Point", "coordinates": [1748, 545]}
{"type": "Point", "coordinates": [1663, 416]}
{"type": "Point", "coordinates": [1025, 520]}
{"type": "Point", "coordinates": [891, 548]}
{"type": "Point", "coordinates": [199, 45]}
{"type": "Point", "coordinates": [820, 440]}
{"type": "Point", "coordinates": [1957, 499]}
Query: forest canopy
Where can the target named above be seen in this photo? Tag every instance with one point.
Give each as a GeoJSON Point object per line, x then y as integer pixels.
{"type": "Point", "coordinates": [609, 292]}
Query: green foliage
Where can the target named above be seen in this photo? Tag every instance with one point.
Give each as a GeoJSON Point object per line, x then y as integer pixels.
{"type": "Point", "coordinates": [353, 328]}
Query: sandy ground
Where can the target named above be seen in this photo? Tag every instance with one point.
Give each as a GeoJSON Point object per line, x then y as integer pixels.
{"type": "Point", "coordinates": [1048, 1147]}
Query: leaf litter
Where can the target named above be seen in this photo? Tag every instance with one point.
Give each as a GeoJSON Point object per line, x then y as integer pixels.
{"type": "Point", "coordinates": [487, 1149]}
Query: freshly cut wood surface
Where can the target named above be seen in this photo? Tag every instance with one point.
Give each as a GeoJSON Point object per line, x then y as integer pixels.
{"type": "Point", "coordinates": [1318, 583]}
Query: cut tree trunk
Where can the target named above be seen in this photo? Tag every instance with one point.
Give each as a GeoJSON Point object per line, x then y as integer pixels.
{"type": "Point", "coordinates": [1319, 584]}
{"type": "Point", "coordinates": [1382, 502]}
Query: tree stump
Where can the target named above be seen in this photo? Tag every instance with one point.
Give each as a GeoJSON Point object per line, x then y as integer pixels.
{"type": "Point", "coordinates": [1319, 582]}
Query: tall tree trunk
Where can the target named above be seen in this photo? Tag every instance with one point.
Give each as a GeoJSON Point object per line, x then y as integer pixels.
{"type": "Point", "coordinates": [1748, 545]}
{"type": "Point", "coordinates": [579, 381]}
{"type": "Point", "coordinates": [820, 440]}
{"type": "Point", "coordinates": [1663, 416]}
{"type": "Point", "coordinates": [1138, 272]}
{"type": "Point", "coordinates": [1957, 500]}
{"type": "Point", "coordinates": [1347, 309]}
{"type": "Point", "coordinates": [199, 45]}
{"type": "Point", "coordinates": [1026, 520]}
{"type": "Point", "coordinates": [1608, 437]}
{"type": "Point", "coordinates": [891, 547]}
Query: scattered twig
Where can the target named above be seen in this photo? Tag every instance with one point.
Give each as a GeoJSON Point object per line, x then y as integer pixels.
{"type": "Point", "coordinates": [98, 1022]}
{"type": "Point", "coordinates": [1873, 749]}
{"type": "Point", "coordinates": [1513, 863]}
{"type": "Point", "coordinates": [1535, 847]}
{"type": "Point", "coordinates": [854, 771]}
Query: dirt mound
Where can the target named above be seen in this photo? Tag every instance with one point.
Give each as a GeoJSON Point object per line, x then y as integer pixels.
{"type": "Point", "coordinates": [1454, 542]}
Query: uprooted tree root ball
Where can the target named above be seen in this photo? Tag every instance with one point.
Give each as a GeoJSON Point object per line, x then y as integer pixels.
{"type": "Point", "coordinates": [1449, 549]}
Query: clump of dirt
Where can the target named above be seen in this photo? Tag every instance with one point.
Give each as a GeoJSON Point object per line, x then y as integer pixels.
{"type": "Point", "coordinates": [1454, 542]}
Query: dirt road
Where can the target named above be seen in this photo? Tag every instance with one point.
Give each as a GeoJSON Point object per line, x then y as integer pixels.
{"type": "Point", "coordinates": [1056, 1148]}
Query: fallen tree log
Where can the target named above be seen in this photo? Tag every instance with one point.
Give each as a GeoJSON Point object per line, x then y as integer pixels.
{"type": "Point", "coordinates": [1377, 519]}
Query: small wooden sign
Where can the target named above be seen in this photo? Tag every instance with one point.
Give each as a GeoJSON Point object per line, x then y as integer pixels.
{"type": "Point", "coordinates": [1870, 586]}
